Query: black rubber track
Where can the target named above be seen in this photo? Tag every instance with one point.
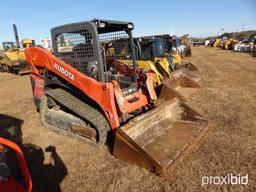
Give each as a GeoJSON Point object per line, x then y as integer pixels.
{"type": "Point", "coordinates": [81, 109]}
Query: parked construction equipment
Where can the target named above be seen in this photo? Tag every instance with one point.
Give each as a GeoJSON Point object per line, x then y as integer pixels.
{"type": "Point", "coordinates": [13, 58]}
{"type": "Point", "coordinates": [186, 41]}
{"type": "Point", "coordinates": [177, 45]}
{"type": "Point", "coordinates": [93, 91]}
{"type": "Point", "coordinates": [216, 42]}
{"type": "Point", "coordinates": [254, 49]}
{"type": "Point", "coordinates": [8, 45]}
{"type": "Point", "coordinates": [229, 44]}
{"type": "Point", "coordinates": [28, 43]}
{"type": "Point", "coordinates": [1, 58]}
{"type": "Point", "coordinates": [151, 56]}
{"type": "Point", "coordinates": [246, 44]}
{"type": "Point", "coordinates": [181, 67]}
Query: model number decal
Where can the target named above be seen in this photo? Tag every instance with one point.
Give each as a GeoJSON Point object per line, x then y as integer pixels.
{"type": "Point", "coordinates": [64, 71]}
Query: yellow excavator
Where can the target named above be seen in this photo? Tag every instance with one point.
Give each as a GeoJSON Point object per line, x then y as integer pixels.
{"type": "Point", "coordinates": [13, 59]}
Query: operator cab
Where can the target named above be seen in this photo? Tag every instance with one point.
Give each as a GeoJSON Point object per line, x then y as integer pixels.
{"type": "Point", "coordinates": [9, 45]}
{"type": "Point", "coordinates": [144, 49]}
{"type": "Point", "coordinates": [100, 49]}
{"type": "Point", "coordinates": [150, 47]}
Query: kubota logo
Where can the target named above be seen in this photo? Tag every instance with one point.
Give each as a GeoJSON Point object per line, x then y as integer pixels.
{"type": "Point", "coordinates": [64, 71]}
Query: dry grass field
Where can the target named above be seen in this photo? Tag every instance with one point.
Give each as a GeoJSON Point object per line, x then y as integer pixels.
{"type": "Point", "coordinates": [227, 100]}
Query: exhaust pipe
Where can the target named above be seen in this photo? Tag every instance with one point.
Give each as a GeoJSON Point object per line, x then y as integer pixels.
{"type": "Point", "coordinates": [16, 36]}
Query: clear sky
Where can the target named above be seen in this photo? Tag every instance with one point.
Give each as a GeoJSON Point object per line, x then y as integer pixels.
{"type": "Point", "coordinates": [199, 18]}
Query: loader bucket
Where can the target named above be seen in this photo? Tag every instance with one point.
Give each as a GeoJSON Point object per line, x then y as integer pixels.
{"type": "Point", "coordinates": [161, 138]}
{"type": "Point", "coordinates": [183, 86]}
{"type": "Point", "coordinates": [188, 65]}
{"type": "Point", "coordinates": [187, 69]}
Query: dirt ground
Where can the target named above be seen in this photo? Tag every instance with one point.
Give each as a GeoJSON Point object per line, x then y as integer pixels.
{"type": "Point", "coordinates": [227, 100]}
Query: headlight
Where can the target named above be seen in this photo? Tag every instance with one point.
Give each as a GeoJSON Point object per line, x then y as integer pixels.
{"type": "Point", "coordinates": [102, 25]}
{"type": "Point", "coordinates": [130, 26]}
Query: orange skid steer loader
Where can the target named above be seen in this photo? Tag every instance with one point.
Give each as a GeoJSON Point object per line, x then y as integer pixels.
{"type": "Point", "coordinates": [99, 95]}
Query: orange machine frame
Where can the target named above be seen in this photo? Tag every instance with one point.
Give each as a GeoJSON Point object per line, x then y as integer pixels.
{"type": "Point", "coordinates": [12, 185]}
{"type": "Point", "coordinates": [107, 95]}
